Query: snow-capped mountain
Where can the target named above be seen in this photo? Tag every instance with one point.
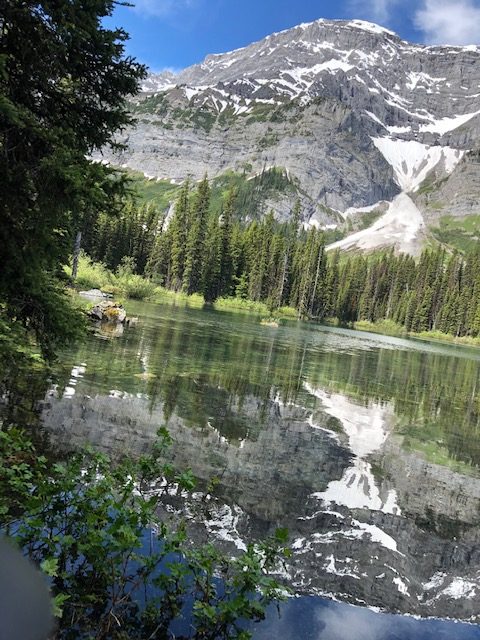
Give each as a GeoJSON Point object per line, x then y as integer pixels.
{"type": "Point", "coordinates": [356, 115]}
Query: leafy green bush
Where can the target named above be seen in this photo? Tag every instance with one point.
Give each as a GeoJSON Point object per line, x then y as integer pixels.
{"type": "Point", "coordinates": [386, 327]}
{"type": "Point", "coordinates": [95, 275]}
{"type": "Point", "coordinates": [163, 295]}
{"type": "Point", "coordinates": [115, 570]}
{"type": "Point", "coordinates": [254, 306]}
{"type": "Point", "coordinates": [91, 275]}
{"type": "Point", "coordinates": [131, 284]}
{"type": "Point", "coordinates": [136, 287]}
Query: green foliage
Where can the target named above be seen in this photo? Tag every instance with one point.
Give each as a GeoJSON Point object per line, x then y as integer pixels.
{"type": "Point", "coordinates": [385, 327]}
{"type": "Point", "coordinates": [124, 282]}
{"type": "Point", "coordinates": [268, 140]}
{"type": "Point", "coordinates": [197, 118]}
{"type": "Point", "coordinates": [62, 98]}
{"type": "Point", "coordinates": [86, 523]}
{"type": "Point", "coordinates": [194, 257]}
{"type": "Point", "coordinates": [131, 233]}
{"type": "Point", "coordinates": [462, 234]}
{"type": "Point", "coordinates": [130, 284]}
{"type": "Point", "coordinates": [58, 322]}
{"type": "Point", "coordinates": [159, 192]}
{"type": "Point", "coordinates": [91, 275]}
{"type": "Point", "coordinates": [250, 192]}
{"type": "Point", "coordinates": [157, 104]}
{"type": "Point", "coordinates": [163, 295]}
{"type": "Point", "coordinates": [363, 221]}
{"type": "Point", "coordinates": [260, 113]}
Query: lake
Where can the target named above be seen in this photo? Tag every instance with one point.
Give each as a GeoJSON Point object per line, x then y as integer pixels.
{"type": "Point", "coordinates": [366, 447]}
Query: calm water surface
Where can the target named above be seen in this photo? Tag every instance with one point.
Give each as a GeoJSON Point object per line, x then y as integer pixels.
{"type": "Point", "coordinates": [366, 447]}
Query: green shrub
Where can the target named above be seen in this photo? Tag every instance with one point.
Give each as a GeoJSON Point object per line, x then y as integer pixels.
{"type": "Point", "coordinates": [131, 284]}
{"type": "Point", "coordinates": [91, 275]}
{"type": "Point", "coordinates": [253, 306]}
{"type": "Point", "coordinates": [135, 286]}
{"type": "Point", "coordinates": [84, 523]}
{"type": "Point", "coordinates": [163, 295]}
{"type": "Point", "coordinates": [386, 327]}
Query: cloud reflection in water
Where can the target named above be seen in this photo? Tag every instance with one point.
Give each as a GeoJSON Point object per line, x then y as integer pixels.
{"type": "Point", "coordinates": [314, 618]}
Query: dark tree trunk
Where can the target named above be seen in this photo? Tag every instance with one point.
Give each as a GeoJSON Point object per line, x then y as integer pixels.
{"type": "Point", "coordinates": [76, 252]}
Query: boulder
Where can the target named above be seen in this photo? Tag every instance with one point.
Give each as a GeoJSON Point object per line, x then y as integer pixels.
{"type": "Point", "coordinates": [107, 311]}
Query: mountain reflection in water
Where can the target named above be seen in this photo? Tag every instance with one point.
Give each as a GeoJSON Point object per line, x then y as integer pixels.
{"type": "Point", "coordinates": [365, 447]}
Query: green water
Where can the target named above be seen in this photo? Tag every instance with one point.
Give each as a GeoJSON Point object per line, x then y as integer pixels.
{"type": "Point", "coordinates": [366, 447]}
{"type": "Point", "coordinates": [195, 362]}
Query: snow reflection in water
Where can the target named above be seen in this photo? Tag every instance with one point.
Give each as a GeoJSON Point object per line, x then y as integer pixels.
{"type": "Point", "coordinates": [367, 428]}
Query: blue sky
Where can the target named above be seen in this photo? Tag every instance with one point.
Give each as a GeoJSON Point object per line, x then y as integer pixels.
{"type": "Point", "coordinates": [174, 34]}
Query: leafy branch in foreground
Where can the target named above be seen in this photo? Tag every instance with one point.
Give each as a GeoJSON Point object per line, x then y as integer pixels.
{"type": "Point", "coordinates": [115, 570]}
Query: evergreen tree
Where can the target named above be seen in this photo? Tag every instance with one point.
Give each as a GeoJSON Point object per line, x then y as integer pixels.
{"type": "Point", "coordinates": [213, 261]}
{"type": "Point", "coordinates": [227, 255]}
{"type": "Point", "coordinates": [195, 249]}
{"type": "Point", "coordinates": [178, 233]}
{"type": "Point", "coordinates": [64, 79]}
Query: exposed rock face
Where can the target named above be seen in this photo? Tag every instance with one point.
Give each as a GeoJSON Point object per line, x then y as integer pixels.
{"type": "Point", "coordinates": [315, 143]}
{"type": "Point", "coordinates": [458, 195]}
{"type": "Point", "coordinates": [354, 113]}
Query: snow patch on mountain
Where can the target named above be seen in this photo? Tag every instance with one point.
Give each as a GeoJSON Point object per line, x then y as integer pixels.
{"type": "Point", "coordinates": [448, 124]}
{"type": "Point", "coordinates": [460, 588]}
{"type": "Point", "coordinates": [401, 226]}
{"type": "Point", "coordinates": [354, 210]}
{"type": "Point", "coordinates": [420, 80]}
{"type": "Point", "coordinates": [371, 27]}
{"type": "Point", "coordinates": [412, 161]}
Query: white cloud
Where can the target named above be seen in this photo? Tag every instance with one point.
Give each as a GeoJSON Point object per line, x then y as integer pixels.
{"type": "Point", "coordinates": [163, 8]}
{"type": "Point", "coordinates": [167, 70]}
{"type": "Point", "coordinates": [377, 10]}
{"type": "Point", "coordinates": [449, 21]}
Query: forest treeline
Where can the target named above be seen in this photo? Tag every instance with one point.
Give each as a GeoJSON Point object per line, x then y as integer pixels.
{"type": "Point", "coordinates": [194, 250]}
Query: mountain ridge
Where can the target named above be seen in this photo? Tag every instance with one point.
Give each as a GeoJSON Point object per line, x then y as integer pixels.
{"type": "Point", "coordinates": [352, 112]}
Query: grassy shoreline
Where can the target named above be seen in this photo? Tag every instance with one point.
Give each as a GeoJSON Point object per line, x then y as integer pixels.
{"type": "Point", "coordinates": [123, 283]}
{"type": "Point", "coordinates": [390, 328]}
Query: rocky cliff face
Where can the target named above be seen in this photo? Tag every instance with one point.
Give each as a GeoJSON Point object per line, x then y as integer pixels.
{"type": "Point", "coordinates": [353, 113]}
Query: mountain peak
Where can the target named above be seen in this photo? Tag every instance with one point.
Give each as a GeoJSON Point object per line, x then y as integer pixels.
{"type": "Point", "coordinates": [372, 27]}
{"type": "Point", "coordinates": [353, 112]}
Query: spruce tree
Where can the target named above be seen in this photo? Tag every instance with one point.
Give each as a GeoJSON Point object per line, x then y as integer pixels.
{"type": "Point", "coordinates": [178, 232]}
{"type": "Point", "coordinates": [211, 279]}
{"type": "Point", "coordinates": [64, 78]}
{"type": "Point", "coordinates": [227, 261]}
{"type": "Point", "coordinates": [195, 249]}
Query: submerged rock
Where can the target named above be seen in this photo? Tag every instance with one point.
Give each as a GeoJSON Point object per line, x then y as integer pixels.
{"type": "Point", "coordinates": [269, 322]}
